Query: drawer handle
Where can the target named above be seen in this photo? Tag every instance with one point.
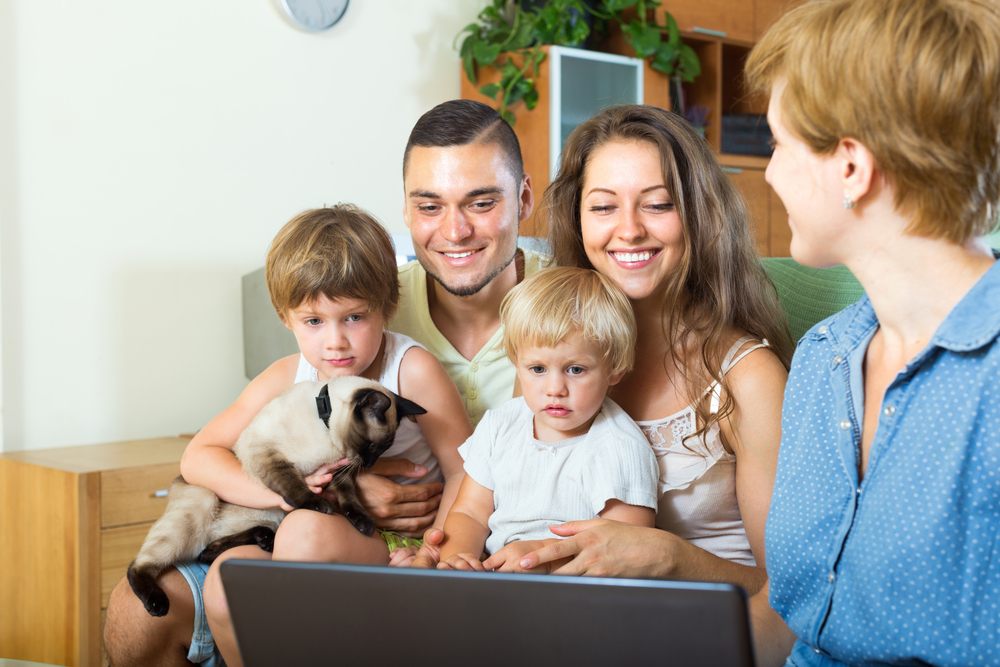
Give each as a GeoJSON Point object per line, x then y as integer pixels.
{"type": "Point", "coordinates": [732, 170]}
{"type": "Point", "coordinates": [709, 31]}
{"type": "Point", "coordinates": [160, 493]}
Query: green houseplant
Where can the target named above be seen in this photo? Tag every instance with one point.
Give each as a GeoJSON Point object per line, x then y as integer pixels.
{"type": "Point", "coordinates": [508, 35]}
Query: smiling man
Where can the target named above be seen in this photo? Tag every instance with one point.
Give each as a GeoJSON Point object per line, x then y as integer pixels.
{"type": "Point", "coordinates": [466, 194]}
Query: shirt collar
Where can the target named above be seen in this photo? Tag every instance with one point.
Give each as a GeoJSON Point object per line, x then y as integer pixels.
{"type": "Point", "coordinates": [975, 320]}
{"type": "Point", "coordinates": [971, 324]}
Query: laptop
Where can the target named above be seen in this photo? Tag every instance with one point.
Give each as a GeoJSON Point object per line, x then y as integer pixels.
{"type": "Point", "coordinates": [317, 613]}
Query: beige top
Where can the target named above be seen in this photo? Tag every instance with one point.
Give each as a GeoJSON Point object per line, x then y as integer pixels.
{"type": "Point", "coordinates": [486, 380]}
{"type": "Point", "coordinates": [698, 479]}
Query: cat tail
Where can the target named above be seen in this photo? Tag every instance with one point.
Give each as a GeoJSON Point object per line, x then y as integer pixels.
{"type": "Point", "coordinates": [179, 535]}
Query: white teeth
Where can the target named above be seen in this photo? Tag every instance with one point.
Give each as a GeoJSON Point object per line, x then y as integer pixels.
{"type": "Point", "coordinates": [458, 255]}
{"type": "Point", "coordinates": [633, 256]}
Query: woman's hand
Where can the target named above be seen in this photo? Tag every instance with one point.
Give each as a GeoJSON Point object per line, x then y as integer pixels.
{"type": "Point", "coordinates": [508, 558]}
{"type": "Point", "coordinates": [605, 548]}
{"type": "Point", "coordinates": [408, 509]}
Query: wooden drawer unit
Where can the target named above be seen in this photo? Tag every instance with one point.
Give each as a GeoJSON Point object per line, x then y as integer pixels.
{"type": "Point", "coordinates": [72, 519]}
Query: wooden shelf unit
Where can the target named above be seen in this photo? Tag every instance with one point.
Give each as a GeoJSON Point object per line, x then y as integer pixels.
{"type": "Point", "coordinates": [72, 519]}
{"type": "Point", "coordinates": [722, 33]}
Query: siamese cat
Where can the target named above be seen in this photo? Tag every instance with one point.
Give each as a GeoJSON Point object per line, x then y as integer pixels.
{"type": "Point", "coordinates": [308, 425]}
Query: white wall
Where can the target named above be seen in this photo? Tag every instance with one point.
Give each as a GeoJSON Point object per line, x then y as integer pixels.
{"type": "Point", "coordinates": [148, 153]}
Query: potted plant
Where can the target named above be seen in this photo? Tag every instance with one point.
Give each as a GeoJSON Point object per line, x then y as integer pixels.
{"type": "Point", "coordinates": [508, 35]}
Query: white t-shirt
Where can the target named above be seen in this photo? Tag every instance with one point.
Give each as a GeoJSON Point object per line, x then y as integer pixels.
{"type": "Point", "coordinates": [538, 484]}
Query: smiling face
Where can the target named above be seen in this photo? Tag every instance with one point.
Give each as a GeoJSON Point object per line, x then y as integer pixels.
{"type": "Point", "coordinates": [337, 336]}
{"type": "Point", "coordinates": [631, 230]}
{"type": "Point", "coordinates": [564, 386]}
{"type": "Point", "coordinates": [463, 209]}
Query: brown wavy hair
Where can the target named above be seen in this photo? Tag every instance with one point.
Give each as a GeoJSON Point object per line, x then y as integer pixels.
{"type": "Point", "coordinates": [339, 252]}
{"type": "Point", "coordinates": [718, 282]}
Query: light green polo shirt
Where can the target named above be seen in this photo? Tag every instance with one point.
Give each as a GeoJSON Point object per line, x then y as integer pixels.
{"type": "Point", "coordinates": [486, 380]}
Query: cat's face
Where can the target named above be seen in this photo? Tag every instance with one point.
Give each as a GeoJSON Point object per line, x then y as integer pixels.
{"type": "Point", "coordinates": [365, 415]}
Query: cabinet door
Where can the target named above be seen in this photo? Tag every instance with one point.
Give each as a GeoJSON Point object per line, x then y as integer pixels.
{"type": "Point", "coordinates": [755, 190]}
{"type": "Point", "coordinates": [734, 19]}
{"type": "Point", "coordinates": [781, 233]}
{"type": "Point", "coordinates": [767, 12]}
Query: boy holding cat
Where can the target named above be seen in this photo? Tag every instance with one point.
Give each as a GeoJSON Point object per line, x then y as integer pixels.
{"type": "Point", "coordinates": [562, 451]}
{"type": "Point", "coordinates": [331, 274]}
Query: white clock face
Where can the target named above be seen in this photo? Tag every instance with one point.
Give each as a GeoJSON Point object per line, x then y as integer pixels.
{"type": "Point", "coordinates": [315, 14]}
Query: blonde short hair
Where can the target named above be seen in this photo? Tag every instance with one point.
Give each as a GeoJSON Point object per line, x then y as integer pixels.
{"type": "Point", "coordinates": [338, 252]}
{"type": "Point", "coordinates": [554, 303]}
{"type": "Point", "coordinates": [916, 81]}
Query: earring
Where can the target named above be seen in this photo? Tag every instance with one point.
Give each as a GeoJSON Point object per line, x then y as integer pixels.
{"type": "Point", "coordinates": [848, 202]}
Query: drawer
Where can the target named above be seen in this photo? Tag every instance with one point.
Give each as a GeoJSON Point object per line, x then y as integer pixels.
{"type": "Point", "coordinates": [135, 495]}
{"type": "Point", "coordinates": [118, 547]}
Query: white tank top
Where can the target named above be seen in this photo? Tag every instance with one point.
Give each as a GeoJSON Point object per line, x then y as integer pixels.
{"type": "Point", "coordinates": [698, 478]}
{"type": "Point", "coordinates": [409, 442]}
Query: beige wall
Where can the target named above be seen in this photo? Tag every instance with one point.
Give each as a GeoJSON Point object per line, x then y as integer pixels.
{"type": "Point", "coordinates": [148, 153]}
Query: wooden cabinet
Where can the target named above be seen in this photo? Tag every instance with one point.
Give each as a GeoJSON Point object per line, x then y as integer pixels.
{"type": "Point", "coordinates": [723, 18]}
{"type": "Point", "coordinates": [768, 219]}
{"type": "Point", "coordinates": [72, 519]}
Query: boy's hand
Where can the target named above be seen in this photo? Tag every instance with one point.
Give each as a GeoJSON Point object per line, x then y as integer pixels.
{"type": "Point", "coordinates": [427, 556]}
{"type": "Point", "coordinates": [318, 479]}
{"type": "Point", "coordinates": [408, 509]}
{"type": "Point", "coordinates": [508, 558]}
{"type": "Point", "coordinates": [464, 561]}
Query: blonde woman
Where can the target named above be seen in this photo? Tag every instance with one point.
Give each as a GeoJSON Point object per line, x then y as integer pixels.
{"type": "Point", "coordinates": [883, 540]}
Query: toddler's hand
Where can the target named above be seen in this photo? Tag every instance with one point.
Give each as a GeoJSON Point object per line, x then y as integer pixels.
{"type": "Point", "coordinates": [464, 561]}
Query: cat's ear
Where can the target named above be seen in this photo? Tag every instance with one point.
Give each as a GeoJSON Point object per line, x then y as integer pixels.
{"type": "Point", "coordinates": [405, 407]}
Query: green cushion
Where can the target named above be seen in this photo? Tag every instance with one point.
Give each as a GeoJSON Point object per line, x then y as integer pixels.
{"type": "Point", "coordinates": [809, 295]}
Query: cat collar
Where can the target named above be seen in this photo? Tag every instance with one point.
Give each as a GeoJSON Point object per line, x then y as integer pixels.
{"type": "Point", "coordinates": [323, 405]}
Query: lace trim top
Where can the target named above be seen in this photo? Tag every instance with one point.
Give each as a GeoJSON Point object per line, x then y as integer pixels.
{"type": "Point", "coordinates": [697, 484]}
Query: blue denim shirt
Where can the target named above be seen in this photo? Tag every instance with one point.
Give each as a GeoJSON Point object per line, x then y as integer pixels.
{"type": "Point", "coordinates": [903, 567]}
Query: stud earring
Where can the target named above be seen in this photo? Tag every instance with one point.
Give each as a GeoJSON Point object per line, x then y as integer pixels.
{"type": "Point", "coordinates": [848, 202]}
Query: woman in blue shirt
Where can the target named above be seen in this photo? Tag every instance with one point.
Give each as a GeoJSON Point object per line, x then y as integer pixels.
{"type": "Point", "coordinates": [883, 538]}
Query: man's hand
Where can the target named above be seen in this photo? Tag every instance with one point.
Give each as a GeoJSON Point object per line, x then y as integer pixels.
{"type": "Point", "coordinates": [407, 509]}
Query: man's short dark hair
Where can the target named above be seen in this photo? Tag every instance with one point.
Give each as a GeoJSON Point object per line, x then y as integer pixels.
{"type": "Point", "coordinates": [463, 122]}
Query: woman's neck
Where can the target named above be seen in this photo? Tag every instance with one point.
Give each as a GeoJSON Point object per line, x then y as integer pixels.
{"type": "Point", "coordinates": [914, 282]}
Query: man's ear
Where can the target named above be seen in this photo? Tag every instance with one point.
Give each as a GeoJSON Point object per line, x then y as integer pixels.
{"type": "Point", "coordinates": [526, 199]}
{"type": "Point", "coordinates": [856, 168]}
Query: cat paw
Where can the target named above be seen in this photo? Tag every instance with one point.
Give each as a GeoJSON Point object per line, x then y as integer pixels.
{"type": "Point", "coordinates": [144, 586]}
{"type": "Point", "coordinates": [320, 504]}
{"type": "Point", "coordinates": [362, 523]}
{"type": "Point", "coordinates": [264, 538]}
{"type": "Point", "coordinates": [157, 604]}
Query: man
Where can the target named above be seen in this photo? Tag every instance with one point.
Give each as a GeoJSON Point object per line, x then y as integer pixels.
{"type": "Point", "coordinates": [466, 194]}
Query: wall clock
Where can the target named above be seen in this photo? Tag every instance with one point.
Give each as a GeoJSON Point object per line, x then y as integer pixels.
{"type": "Point", "coordinates": [314, 15]}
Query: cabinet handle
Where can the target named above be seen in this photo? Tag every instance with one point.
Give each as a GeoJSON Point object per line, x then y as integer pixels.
{"type": "Point", "coordinates": [732, 170]}
{"type": "Point", "coordinates": [160, 493]}
{"type": "Point", "coordinates": [709, 31]}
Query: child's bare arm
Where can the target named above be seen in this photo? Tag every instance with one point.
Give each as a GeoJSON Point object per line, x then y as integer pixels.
{"type": "Point", "coordinates": [466, 527]}
{"type": "Point", "coordinates": [208, 459]}
{"type": "Point", "coordinates": [616, 510]}
{"type": "Point", "coordinates": [423, 379]}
